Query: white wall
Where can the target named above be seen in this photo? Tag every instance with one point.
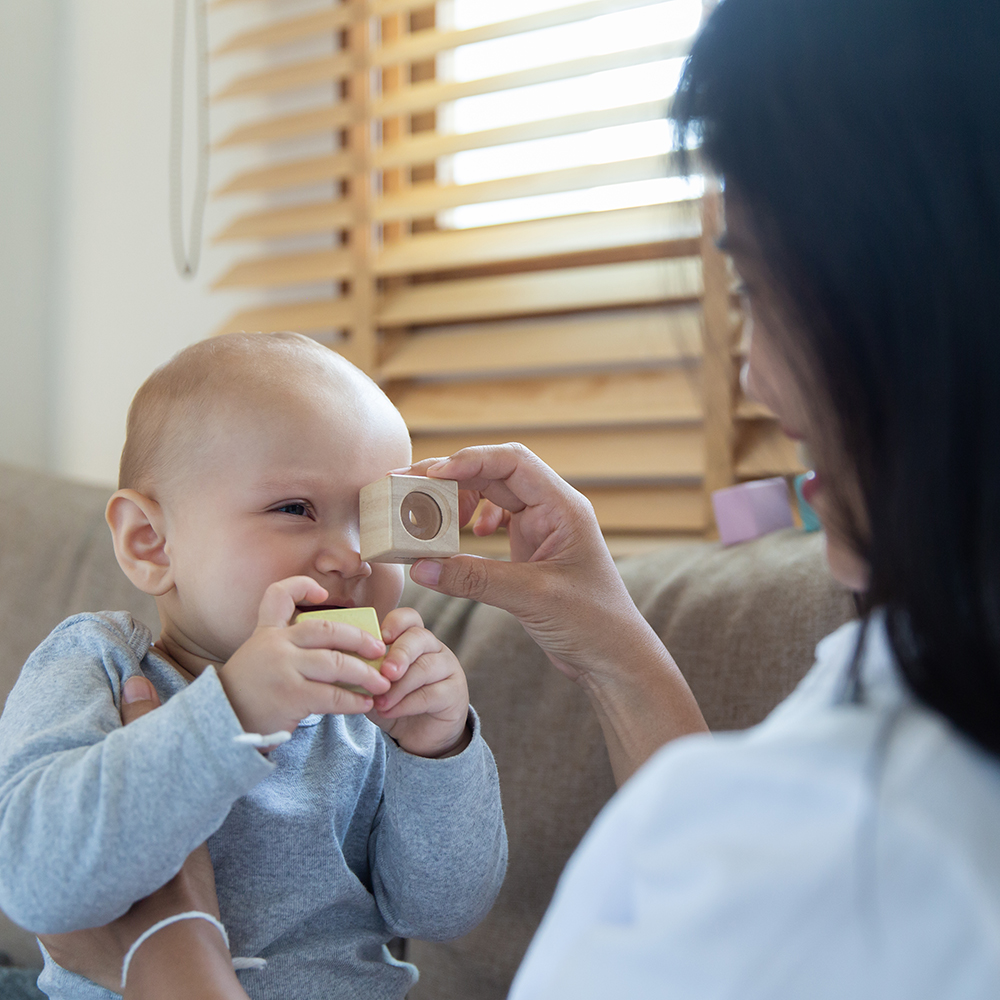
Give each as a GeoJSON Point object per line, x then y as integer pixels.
{"type": "Point", "coordinates": [90, 300]}
{"type": "Point", "coordinates": [28, 142]}
{"type": "Point", "coordinates": [122, 308]}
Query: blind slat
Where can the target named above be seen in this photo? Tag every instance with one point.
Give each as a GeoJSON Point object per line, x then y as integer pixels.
{"type": "Point", "coordinates": [613, 339]}
{"type": "Point", "coordinates": [593, 456]}
{"type": "Point", "coordinates": [638, 508]}
{"type": "Point", "coordinates": [669, 229]}
{"type": "Point", "coordinates": [295, 173]}
{"type": "Point", "coordinates": [667, 395]}
{"type": "Point", "coordinates": [601, 286]}
{"type": "Point", "coordinates": [295, 220]}
{"type": "Point", "coordinates": [289, 269]}
{"type": "Point", "coordinates": [425, 96]}
{"type": "Point", "coordinates": [423, 44]}
{"type": "Point", "coordinates": [422, 96]}
{"type": "Point", "coordinates": [303, 317]}
{"type": "Point", "coordinates": [425, 148]}
{"type": "Point", "coordinates": [292, 76]}
{"type": "Point", "coordinates": [325, 119]}
{"type": "Point", "coordinates": [426, 199]}
{"type": "Point", "coordinates": [292, 29]}
{"type": "Point", "coordinates": [544, 238]}
{"type": "Point", "coordinates": [310, 25]}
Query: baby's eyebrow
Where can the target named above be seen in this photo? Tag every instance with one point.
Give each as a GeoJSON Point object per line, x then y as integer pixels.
{"type": "Point", "coordinates": [285, 486]}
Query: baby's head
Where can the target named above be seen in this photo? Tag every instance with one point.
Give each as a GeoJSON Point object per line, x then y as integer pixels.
{"type": "Point", "coordinates": [243, 461]}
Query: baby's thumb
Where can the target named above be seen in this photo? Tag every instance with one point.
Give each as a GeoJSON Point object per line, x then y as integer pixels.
{"type": "Point", "coordinates": [138, 697]}
{"type": "Point", "coordinates": [489, 581]}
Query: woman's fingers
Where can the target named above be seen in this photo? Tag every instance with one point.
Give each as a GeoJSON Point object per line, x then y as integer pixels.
{"type": "Point", "coordinates": [489, 519]}
{"type": "Point", "coordinates": [509, 475]}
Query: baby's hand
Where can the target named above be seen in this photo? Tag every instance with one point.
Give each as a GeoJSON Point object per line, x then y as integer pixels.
{"type": "Point", "coordinates": [426, 710]}
{"type": "Point", "coordinates": [285, 672]}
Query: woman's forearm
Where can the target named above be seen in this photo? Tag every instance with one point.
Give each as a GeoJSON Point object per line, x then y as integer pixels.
{"type": "Point", "coordinates": [187, 960]}
{"type": "Point", "coordinates": [641, 700]}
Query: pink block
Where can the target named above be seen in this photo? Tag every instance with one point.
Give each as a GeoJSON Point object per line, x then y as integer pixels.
{"type": "Point", "coordinates": [750, 510]}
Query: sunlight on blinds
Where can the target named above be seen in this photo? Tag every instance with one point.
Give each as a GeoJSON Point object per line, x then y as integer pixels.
{"type": "Point", "coordinates": [478, 202]}
{"type": "Point", "coordinates": [614, 88]}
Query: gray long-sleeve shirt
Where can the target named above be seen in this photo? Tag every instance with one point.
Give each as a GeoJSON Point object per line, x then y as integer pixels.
{"type": "Point", "coordinates": [323, 850]}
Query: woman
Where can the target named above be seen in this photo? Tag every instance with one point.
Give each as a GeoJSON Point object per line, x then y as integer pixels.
{"type": "Point", "coordinates": [847, 846]}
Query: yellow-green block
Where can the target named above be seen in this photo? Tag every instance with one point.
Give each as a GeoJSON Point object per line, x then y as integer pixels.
{"type": "Point", "coordinates": [365, 618]}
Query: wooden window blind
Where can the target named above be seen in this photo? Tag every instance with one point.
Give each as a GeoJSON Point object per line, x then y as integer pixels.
{"type": "Point", "coordinates": [598, 327]}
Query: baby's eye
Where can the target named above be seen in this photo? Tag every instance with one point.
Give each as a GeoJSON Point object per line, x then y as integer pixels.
{"type": "Point", "coordinates": [296, 508]}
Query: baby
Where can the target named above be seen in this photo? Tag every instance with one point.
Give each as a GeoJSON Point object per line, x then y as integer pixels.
{"type": "Point", "coordinates": [380, 817]}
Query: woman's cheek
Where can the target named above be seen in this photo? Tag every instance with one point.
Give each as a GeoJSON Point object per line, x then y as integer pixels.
{"type": "Point", "coordinates": [846, 567]}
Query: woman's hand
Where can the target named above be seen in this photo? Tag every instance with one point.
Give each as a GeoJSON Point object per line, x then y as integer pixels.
{"type": "Point", "coordinates": [560, 575]}
{"type": "Point", "coordinates": [188, 960]}
{"type": "Point", "coordinates": [563, 586]}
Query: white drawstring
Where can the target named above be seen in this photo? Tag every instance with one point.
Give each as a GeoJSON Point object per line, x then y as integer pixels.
{"type": "Point", "coordinates": [259, 741]}
{"type": "Point", "coordinates": [238, 963]}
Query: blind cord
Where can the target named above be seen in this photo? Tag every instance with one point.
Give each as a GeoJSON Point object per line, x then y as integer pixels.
{"type": "Point", "coordinates": [186, 260]}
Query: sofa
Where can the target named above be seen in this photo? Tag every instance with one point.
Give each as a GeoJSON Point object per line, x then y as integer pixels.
{"type": "Point", "coordinates": [741, 622]}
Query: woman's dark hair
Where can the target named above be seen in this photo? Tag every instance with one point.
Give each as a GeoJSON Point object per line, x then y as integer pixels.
{"type": "Point", "coordinates": [863, 139]}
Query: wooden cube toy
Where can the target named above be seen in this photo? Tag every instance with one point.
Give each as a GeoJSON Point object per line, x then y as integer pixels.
{"type": "Point", "coordinates": [750, 510]}
{"type": "Point", "coordinates": [406, 518]}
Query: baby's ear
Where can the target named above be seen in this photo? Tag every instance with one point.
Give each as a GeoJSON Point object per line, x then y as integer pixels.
{"type": "Point", "coordinates": [139, 533]}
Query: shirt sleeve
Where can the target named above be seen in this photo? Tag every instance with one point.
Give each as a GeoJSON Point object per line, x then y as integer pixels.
{"type": "Point", "coordinates": [438, 848]}
{"type": "Point", "coordinates": [94, 815]}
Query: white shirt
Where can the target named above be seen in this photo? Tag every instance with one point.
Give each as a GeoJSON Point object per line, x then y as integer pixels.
{"type": "Point", "coordinates": [836, 850]}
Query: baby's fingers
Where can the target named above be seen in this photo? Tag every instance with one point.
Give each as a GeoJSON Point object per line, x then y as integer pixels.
{"type": "Point", "coordinates": [398, 621]}
{"type": "Point", "coordinates": [278, 605]}
{"type": "Point", "coordinates": [330, 666]}
{"type": "Point", "coordinates": [426, 670]}
{"type": "Point", "coordinates": [411, 645]}
{"type": "Point", "coordinates": [318, 633]}
{"type": "Point", "coordinates": [433, 698]}
{"type": "Point", "coordinates": [332, 699]}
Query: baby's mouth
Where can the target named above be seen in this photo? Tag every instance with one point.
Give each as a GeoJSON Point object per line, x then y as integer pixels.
{"type": "Point", "coordinates": [300, 608]}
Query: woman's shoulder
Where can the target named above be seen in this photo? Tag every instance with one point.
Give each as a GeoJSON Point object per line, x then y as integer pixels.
{"type": "Point", "coordinates": [836, 823]}
{"type": "Point", "coordinates": [840, 850]}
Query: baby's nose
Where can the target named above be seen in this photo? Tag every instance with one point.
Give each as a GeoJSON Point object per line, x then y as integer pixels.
{"type": "Point", "coordinates": [342, 556]}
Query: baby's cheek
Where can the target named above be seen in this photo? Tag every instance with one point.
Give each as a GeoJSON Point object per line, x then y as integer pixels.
{"type": "Point", "coordinates": [385, 586]}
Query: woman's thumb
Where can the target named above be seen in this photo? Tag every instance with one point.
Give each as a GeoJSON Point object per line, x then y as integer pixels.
{"type": "Point", "coordinates": [138, 697]}
{"type": "Point", "coordinates": [486, 580]}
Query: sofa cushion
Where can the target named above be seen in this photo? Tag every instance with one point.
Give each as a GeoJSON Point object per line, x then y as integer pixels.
{"type": "Point", "coordinates": [742, 623]}
{"type": "Point", "coordinates": [56, 559]}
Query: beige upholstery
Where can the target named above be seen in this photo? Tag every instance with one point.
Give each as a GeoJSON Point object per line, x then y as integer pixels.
{"type": "Point", "coordinates": [741, 623]}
